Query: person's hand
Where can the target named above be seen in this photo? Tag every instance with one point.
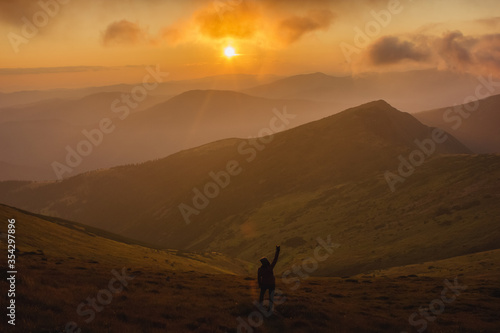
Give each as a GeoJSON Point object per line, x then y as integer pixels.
{"type": "Point", "coordinates": [277, 247]}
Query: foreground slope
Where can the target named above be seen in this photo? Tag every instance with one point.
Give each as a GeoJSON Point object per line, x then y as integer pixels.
{"type": "Point", "coordinates": [323, 178]}
{"type": "Point", "coordinates": [57, 238]}
{"type": "Point", "coordinates": [62, 265]}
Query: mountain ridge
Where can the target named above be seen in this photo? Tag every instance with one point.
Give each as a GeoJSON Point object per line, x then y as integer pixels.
{"type": "Point", "coordinates": [412, 91]}
{"type": "Point", "coordinates": [476, 126]}
{"type": "Point", "coordinates": [292, 186]}
{"type": "Point", "coordinates": [191, 119]}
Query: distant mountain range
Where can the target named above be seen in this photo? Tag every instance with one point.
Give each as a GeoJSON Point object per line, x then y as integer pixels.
{"type": "Point", "coordinates": [83, 111]}
{"type": "Point", "coordinates": [40, 132]}
{"type": "Point", "coordinates": [165, 89]}
{"type": "Point", "coordinates": [411, 91]}
{"type": "Point", "coordinates": [326, 177]}
{"type": "Point", "coordinates": [474, 124]}
{"type": "Point", "coordinates": [46, 133]}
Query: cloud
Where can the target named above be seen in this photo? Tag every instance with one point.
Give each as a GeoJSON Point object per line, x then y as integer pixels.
{"type": "Point", "coordinates": [263, 22]}
{"type": "Point", "coordinates": [266, 23]}
{"type": "Point", "coordinates": [291, 29]}
{"type": "Point", "coordinates": [391, 50]}
{"type": "Point", "coordinates": [475, 54]}
{"type": "Point", "coordinates": [453, 48]}
{"type": "Point", "coordinates": [241, 22]}
{"type": "Point", "coordinates": [124, 32]}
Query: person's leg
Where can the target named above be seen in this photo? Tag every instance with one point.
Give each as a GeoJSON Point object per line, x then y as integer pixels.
{"type": "Point", "coordinates": [271, 299]}
{"type": "Point", "coordinates": [262, 292]}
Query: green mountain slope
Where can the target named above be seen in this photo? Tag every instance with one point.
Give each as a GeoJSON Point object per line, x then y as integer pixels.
{"type": "Point", "coordinates": [62, 266]}
{"type": "Point", "coordinates": [38, 235]}
{"type": "Point", "coordinates": [323, 178]}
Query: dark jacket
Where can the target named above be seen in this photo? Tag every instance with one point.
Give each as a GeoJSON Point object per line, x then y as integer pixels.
{"type": "Point", "coordinates": [265, 275]}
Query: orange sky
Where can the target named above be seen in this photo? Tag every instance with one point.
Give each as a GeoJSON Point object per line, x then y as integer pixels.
{"type": "Point", "coordinates": [73, 43]}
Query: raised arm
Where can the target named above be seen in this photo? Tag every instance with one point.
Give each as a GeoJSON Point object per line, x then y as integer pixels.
{"type": "Point", "coordinates": [276, 255]}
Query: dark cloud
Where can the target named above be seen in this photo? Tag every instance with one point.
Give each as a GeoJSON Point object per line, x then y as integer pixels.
{"type": "Point", "coordinates": [454, 48]}
{"type": "Point", "coordinates": [470, 53]}
{"type": "Point", "coordinates": [478, 54]}
{"type": "Point", "coordinates": [293, 28]}
{"type": "Point", "coordinates": [391, 50]}
{"type": "Point", "coordinates": [123, 32]}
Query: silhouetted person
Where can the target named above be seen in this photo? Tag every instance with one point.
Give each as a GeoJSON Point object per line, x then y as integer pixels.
{"type": "Point", "coordinates": [266, 279]}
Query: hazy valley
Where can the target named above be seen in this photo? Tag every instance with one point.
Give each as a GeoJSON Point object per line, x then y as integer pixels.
{"type": "Point", "coordinates": [209, 180]}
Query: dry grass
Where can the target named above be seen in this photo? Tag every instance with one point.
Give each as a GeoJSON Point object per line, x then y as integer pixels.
{"type": "Point", "coordinates": [59, 267]}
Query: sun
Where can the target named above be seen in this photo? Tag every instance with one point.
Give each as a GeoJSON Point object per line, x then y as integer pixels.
{"type": "Point", "coordinates": [229, 52]}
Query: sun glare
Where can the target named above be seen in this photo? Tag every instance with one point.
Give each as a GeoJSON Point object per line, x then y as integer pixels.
{"type": "Point", "coordinates": [229, 52]}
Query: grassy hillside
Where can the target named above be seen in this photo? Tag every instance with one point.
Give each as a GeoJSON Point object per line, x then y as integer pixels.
{"type": "Point", "coordinates": [60, 264]}
{"type": "Point", "coordinates": [323, 178]}
{"type": "Point", "coordinates": [58, 238]}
